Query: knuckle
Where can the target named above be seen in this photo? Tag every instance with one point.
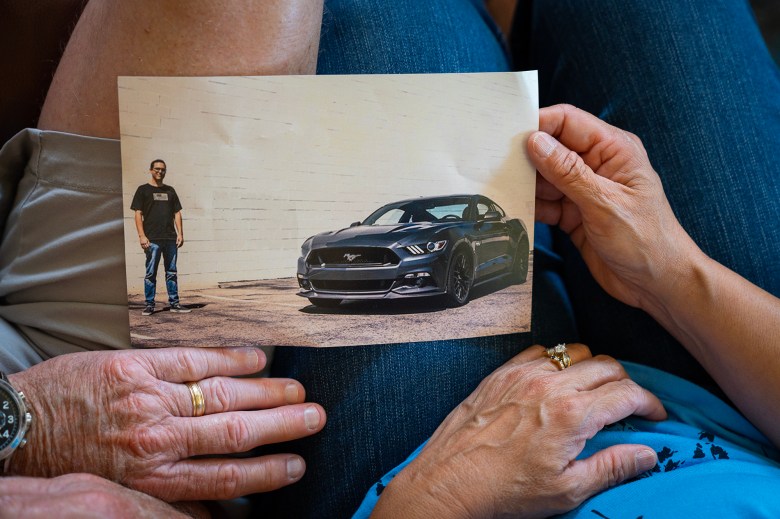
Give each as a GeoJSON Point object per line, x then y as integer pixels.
{"type": "Point", "coordinates": [186, 359]}
{"type": "Point", "coordinates": [606, 359]}
{"type": "Point", "coordinates": [629, 388]}
{"type": "Point", "coordinates": [119, 369]}
{"type": "Point", "coordinates": [228, 481]}
{"type": "Point", "coordinates": [148, 442]}
{"type": "Point", "coordinates": [222, 397]}
{"type": "Point", "coordinates": [585, 349]}
{"type": "Point", "coordinates": [631, 391]}
{"type": "Point", "coordinates": [510, 374]}
{"type": "Point", "coordinates": [132, 405]}
{"type": "Point", "coordinates": [571, 165]}
{"type": "Point", "coordinates": [539, 385]}
{"type": "Point", "coordinates": [608, 366]}
{"type": "Point", "coordinates": [612, 470]}
{"type": "Point", "coordinates": [569, 408]}
{"type": "Point", "coordinates": [628, 391]}
{"type": "Point", "coordinates": [567, 108]}
{"type": "Point", "coordinates": [566, 413]}
{"type": "Point", "coordinates": [237, 433]}
{"type": "Point", "coordinates": [634, 140]}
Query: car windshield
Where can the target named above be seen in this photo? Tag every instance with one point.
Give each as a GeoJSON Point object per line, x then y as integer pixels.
{"type": "Point", "coordinates": [447, 209]}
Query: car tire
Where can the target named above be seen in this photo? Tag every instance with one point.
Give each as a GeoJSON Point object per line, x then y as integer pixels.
{"type": "Point", "coordinates": [460, 277]}
{"type": "Point", "coordinates": [521, 260]}
{"type": "Point", "coordinates": [324, 303]}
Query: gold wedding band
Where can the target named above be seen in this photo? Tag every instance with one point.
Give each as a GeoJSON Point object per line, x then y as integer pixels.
{"type": "Point", "coordinates": [559, 355]}
{"type": "Point", "coordinates": [198, 403]}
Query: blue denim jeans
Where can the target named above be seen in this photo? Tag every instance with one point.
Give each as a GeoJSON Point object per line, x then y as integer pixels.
{"type": "Point", "coordinates": [692, 79]}
{"type": "Point", "coordinates": [696, 83]}
{"type": "Point", "coordinates": [168, 250]}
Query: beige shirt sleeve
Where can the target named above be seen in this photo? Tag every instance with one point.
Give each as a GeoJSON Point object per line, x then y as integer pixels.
{"type": "Point", "coordinates": [62, 276]}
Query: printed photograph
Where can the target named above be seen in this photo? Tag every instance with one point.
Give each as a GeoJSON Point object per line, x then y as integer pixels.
{"type": "Point", "coordinates": [327, 210]}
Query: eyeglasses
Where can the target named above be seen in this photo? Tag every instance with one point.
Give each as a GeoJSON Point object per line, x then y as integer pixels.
{"type": "Point", "coordinates": [159, 170]}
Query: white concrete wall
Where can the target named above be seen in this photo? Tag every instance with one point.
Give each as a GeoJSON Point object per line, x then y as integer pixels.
{"type": "Point", "coordinates": [261, 163]}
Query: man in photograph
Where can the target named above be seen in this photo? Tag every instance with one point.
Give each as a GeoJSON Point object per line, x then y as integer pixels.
{"type": "Point", "coordinates": [159, 224]}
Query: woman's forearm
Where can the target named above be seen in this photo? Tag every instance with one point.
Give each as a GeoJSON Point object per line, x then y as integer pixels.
{"type": "Point", "coordinates": [732, 327]}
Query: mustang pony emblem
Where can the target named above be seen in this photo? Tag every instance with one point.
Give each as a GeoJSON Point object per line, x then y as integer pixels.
{"type": "Point", "coordinates": [351, 257]}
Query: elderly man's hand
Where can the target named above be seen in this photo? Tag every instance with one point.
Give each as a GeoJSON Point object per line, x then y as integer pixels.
{"type": "Point", "coordinates": [128, 416]}
{"type": "Point", "coordinates": [82, 496]}
{"type": "Point", "coordinates": [510, 448]}
{"type": "Point", "coordinates": [597, 184]}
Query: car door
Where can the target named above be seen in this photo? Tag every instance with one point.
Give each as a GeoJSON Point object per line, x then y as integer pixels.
{"type": "Point", "coordinates": [504, 251]}
{"type": "Point", "coordinates": [491, 245]}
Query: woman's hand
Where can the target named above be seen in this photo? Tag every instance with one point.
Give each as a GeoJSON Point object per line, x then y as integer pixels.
{"type": "Point", "coordinates": [510, 448]}
{"type": "Point", "coordinates": [596, 182]}
{"type": "Point", "coordinates": [128, 416]}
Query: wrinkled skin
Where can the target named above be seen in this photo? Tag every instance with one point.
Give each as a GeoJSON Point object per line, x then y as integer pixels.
{"type": "Point", "coordinates": [596, 183]}
{"type": "Point", "coordinates": [509, 449]}
{"type": "Point", "coordinates": [127, 416]}
{"type": "Point", "coordinates": [84, 496]}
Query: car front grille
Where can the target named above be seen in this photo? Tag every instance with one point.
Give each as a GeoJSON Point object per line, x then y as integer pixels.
{"type": "Point", "coordinates": [379, 285]}
{"type": "Point", "coordinates": [352, 257]}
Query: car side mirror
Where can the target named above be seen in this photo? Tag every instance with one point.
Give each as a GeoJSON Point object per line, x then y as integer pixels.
{"type": "Point", "coordinates": [492, 216]}
{"type": "Point", "coordinates": [354, 224]}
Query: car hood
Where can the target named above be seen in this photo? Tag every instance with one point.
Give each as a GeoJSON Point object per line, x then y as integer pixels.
{"type": "Point", "coordinates": [379, 235]}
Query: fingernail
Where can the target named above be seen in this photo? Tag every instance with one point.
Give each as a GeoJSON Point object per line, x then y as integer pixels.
{"type": "Point", "coordinates": [291, 393]}
{"type": "Point", "coordinates": [311, 417]}
{"type": "Point", "coordinates": [253, 357]}
{"type": "Point", "coordinates": [645, 460]}
{"type": "Point", "coordinates": [544, 144]}
{"type": "Point", "coordinates": [294, 468]}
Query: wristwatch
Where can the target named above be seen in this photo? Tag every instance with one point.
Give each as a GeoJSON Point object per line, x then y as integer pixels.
{"type": "Point", "coordinates": [15, 419]}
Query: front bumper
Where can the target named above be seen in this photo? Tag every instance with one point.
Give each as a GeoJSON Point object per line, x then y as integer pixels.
{"type": "Point", "coordinates": [413, 276]}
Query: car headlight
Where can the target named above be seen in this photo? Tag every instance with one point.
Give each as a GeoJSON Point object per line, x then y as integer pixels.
{"type": "Point", "coordinates": [431, 246]}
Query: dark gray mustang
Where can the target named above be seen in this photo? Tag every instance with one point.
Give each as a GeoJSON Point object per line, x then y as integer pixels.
{"type": "Point", "coordinates": [432, 246]}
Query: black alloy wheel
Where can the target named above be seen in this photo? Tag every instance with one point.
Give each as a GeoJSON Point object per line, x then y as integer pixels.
{"type": "Point", "coordinates": [521, 260]}
{"type": "Point", "coordinates": [460, 278]}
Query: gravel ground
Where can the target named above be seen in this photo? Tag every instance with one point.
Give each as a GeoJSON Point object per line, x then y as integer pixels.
{"type": "Point", "coordinates": [267, 313]}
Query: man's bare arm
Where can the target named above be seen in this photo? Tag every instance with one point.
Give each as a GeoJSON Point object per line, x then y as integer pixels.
{"type": "Point", "coordinates": [139, 226]}
{"type": "Point", "coordinates": [177, 221]}
{"type": "Point", "coordinates": [173, 38]}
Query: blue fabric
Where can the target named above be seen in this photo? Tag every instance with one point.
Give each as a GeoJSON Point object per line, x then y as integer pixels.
{"type": "Point", "coordinates": [691, 78]}
{"type": "Point", "coordinates": [409, 37]}
{"type": "Point", "coordinates": [168, 250]}
{"type": "Point", "coordinates": [712, 462]}
{"type": "Point", "coordinates": [696, 83]}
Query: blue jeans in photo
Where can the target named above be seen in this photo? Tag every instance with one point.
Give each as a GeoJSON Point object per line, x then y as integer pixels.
{"type": "Point", "coordinates": [168, 250]}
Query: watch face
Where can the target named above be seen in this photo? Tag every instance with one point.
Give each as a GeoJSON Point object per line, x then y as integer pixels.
{"type": "Point", "coordinates": [10, 418]}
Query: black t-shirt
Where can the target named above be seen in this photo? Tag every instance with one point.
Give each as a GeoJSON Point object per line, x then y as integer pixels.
{"type": "Point", "coordinates": [158, 206]}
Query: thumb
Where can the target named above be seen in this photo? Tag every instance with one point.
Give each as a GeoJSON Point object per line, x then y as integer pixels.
{"type": "Point", "coordinates": [612, 466]}
{"type": "Point", "coordinates": [563, 168]}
